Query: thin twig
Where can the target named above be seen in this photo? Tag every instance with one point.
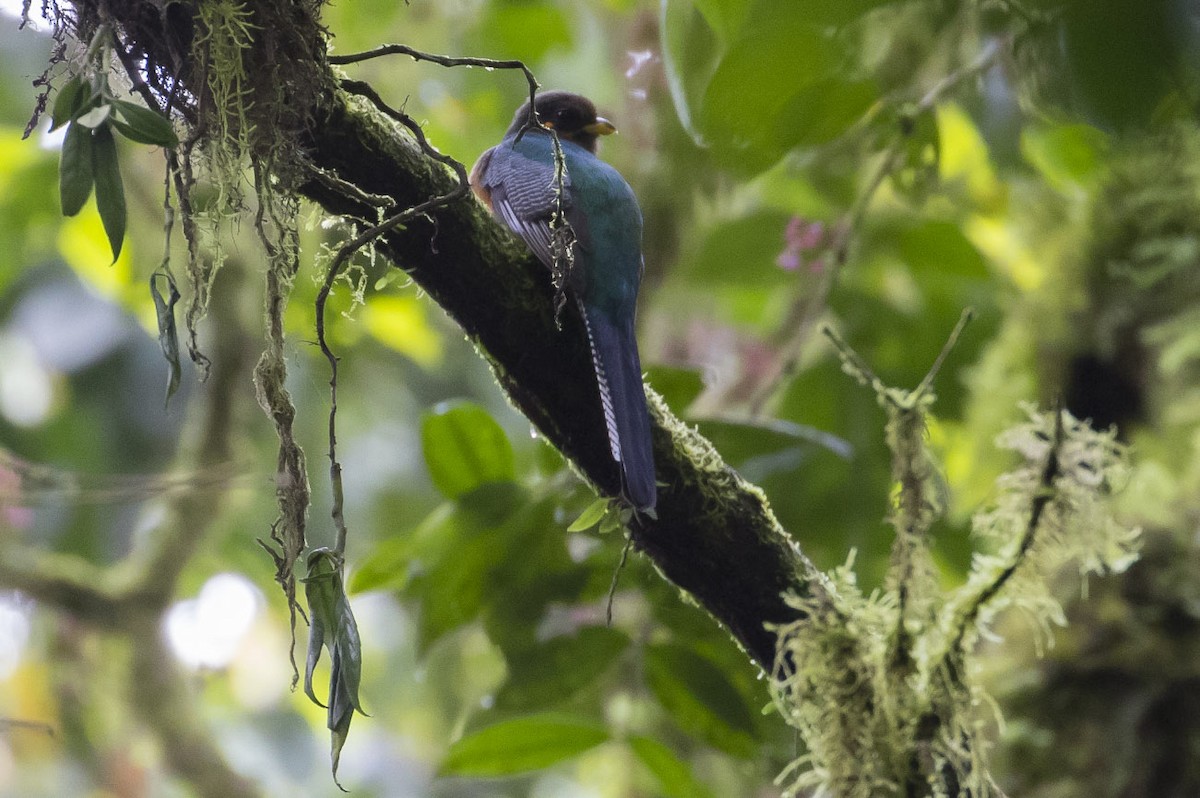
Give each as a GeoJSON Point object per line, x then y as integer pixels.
{"type": "Point", "coordinates": [445, 60]}
{"type": "Point", "coordinates": [17, 724]}
{"type": "Point", "coordinates": [180, 167]}
{"type": "Point", "coordinates": [344, 254]}
{"type": "Point", "coordinates": [860, 370]}
{"type": "Point", "coordinates": [612, 588]}
{"type": "Point", "coordinates": [1037, 508]}
{"type": "Point", "coordinates": [347, 189]}
{"type": "Point", "coordinates": [967, 315]}
{"type": "Point", "coordinates": [900, 400]}
{"type": "Point", "coordinates": [292, 491]}
{"type": "Point", "coordinates": [364, 89]}
{"type": "Point", "coordinates": [981, 64]}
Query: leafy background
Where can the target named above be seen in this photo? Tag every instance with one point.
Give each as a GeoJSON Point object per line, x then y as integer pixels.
{"type": "Point", "coordinates": [750, 130]}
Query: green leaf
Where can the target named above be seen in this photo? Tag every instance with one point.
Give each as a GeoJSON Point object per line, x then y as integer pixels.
{"type": "Point", "coordinates": [332, 627]}
{"type": "Point", "coordinates": [937, 249]}
{"type": "Point", "coordinates": [1066, 155]}
{"type": "Point", "coordinates": [453, 590]}
{"type": "Point", "coordinates": [674, 777]}
{"type": "Point", "coordinates": [615, 522]}
{"type": "Point", "coordinates": [386, 567]}
{"type": "Point", "coordinates": [463, 563]}
{"type": "Point", "coordinates": [700, 697]}
{"type": "Point", "coordinates": [465, 448]}
{"type": "Point", "coordinates": [590, 516]}
{"type": "Point", "coordinates": [143, 125]}
{"type": "Point", "coordinates": [531, 569]}
{"type": "Point", "coordinates": [95, 117]}
{"type": "Point", "coordinates": [110, 193]}
{"type": "Point", "coordinates": [691, 54]}
{"type": "Point", "coordinates": [725, 16]}
{"type": "Point", "coordinates": [71, 100]}
{"type": "Point", "coordinates": [493, 502]}
{"type": "Point", "coordinates": [522, 745]}
{"type": "Point", "coordinates": [766, 68]}
{"type": "Point", "coordinates": [733, 65]}
{"type": "Point", "coordinates": [554, 671]}
{"type": "Point", "coordinates": [168, 337]}
{"type": "Point", "coordinates": [389, 565]}
{"type": "Point", "coordinates": [75, 169]}
{"type": "Point", "coordinates": [823, 110]}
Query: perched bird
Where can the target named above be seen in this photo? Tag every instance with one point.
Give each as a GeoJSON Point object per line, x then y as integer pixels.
{"type": "Point", "coordinates": [516, 180]}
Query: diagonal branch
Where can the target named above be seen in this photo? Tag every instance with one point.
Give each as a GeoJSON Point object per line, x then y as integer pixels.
{"type": "Point", "coordinates": [715, 536]}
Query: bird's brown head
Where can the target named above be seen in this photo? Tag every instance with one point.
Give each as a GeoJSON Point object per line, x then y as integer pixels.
{"type": "Point", "coordinates": [572, 116]}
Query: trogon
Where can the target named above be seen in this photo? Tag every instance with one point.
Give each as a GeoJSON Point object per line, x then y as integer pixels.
{"type": "Point", "coordinates": [516, 179]}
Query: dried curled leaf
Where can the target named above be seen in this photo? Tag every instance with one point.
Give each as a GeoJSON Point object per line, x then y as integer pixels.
{"type": "Point", "coordinates": [332, 627]}
{"type": "Point", "coordinates": [168, 335]}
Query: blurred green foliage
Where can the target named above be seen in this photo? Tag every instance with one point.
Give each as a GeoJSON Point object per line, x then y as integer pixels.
{"type": "Point", "coordinates": [751, 130]}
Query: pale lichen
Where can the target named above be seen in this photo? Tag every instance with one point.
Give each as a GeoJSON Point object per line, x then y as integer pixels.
{"type": "Point", "coordinates": [882, 687]}
{"type": "Point", "coordinates": [225, 33]}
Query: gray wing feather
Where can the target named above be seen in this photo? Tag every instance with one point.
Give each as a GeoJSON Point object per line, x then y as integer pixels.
{"type": "Point", "coordinates": [534, 232]}
{"type": "Point", "coordinates": [522, 192]}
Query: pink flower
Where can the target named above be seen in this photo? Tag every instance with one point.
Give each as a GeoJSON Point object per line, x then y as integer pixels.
{"type": "Point", "coordinates": [788, 260]}
{"type": "Point", "coordinates": [801, 238]}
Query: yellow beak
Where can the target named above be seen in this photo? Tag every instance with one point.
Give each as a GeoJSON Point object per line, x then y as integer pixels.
{"type": "Point", "coordinates": [601, 127]}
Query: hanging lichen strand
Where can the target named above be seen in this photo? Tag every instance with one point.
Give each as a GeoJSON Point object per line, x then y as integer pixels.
{"type": "Point", "coordinates": [217, 148]}
{"type": "Point", "coordinates": [881, 686]}
{"type": "Point", "coordinates": [246, 79]}
{"type": "Point", "coordinates": [249, 76]}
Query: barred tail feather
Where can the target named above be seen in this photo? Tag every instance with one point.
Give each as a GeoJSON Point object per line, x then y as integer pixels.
{"type": "Point", "coordinates": [623, 400]}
